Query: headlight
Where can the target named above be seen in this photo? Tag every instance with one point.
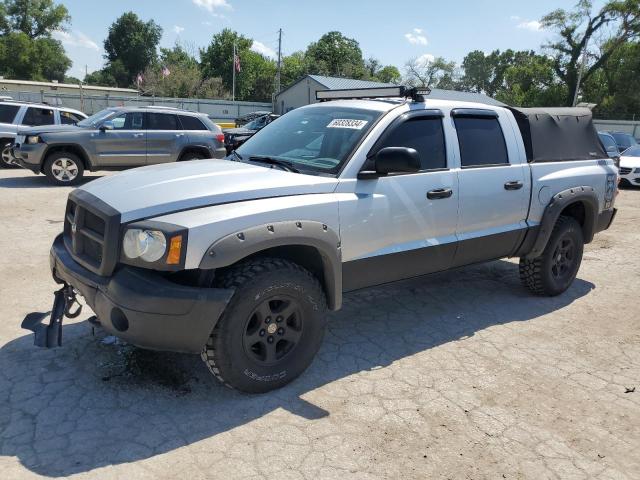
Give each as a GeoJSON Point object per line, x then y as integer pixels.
{"type": "Point", "coordinates": [148, 245]}
{"type": "Point", "coordinates": [31, 139]}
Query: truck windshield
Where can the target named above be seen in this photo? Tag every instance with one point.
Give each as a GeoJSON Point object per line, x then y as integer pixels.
{"type": "Point", "coordinates": [96, 118]}
{"type": "Point", "coordinates": [313, 140]}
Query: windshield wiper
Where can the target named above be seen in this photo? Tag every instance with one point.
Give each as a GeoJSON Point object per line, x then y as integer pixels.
{"type": "Point", "coordinates": [288, 166]}
{"type": "Point", "coordinates": [236, 154]}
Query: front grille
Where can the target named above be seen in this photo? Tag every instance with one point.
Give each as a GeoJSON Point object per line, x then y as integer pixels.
{"type": "Point", "coordinates": [625, 171]}
{"type": "Point", "coordinates": [91, 232]}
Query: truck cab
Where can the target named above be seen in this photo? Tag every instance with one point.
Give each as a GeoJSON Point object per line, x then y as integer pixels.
{"type": "Point", "coordinates": [239, 259]}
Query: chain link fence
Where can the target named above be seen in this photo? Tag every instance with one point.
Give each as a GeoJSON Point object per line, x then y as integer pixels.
{"type": "Point", "coordinates": [221, 110]}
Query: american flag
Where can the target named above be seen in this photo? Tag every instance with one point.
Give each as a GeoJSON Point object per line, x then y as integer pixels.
{"type": "Point", "coordinates": [236, 63]}
{"type": "Point", "coordinates": [165, 71]}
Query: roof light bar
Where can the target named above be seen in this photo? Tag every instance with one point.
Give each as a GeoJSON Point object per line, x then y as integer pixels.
{"type": "Point", "coordinates": [415, 93]}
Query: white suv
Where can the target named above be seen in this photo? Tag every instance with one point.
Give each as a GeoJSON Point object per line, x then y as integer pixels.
{"type": "Point", "coordinates": [14, 115]}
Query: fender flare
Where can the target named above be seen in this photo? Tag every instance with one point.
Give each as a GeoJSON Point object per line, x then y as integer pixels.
{"type": "Point", "coordinates": [236, 246]}
{"type": "Point", "coordinates": [197, 147]}
{"type": "Point", "coordinates": [585, 195]}
{"type": "Point", "coordinates": [69, 147]}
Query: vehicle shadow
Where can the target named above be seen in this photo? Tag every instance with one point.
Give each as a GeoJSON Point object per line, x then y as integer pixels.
{"type": "Point", "coordinates": [37, 181]}
{"type": "Point", "coordinates": [92, 404]}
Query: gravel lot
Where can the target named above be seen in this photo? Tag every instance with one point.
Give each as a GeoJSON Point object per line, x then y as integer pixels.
{"type": "Point", "coordinates": [459, 375]}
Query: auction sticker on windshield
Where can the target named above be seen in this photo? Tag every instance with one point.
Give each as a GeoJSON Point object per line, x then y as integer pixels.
{"type": "Point", "coordinates": [347, 123]}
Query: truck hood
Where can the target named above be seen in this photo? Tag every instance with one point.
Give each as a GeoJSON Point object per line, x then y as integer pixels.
{"type": "Point", "coordinates": [162, 189]}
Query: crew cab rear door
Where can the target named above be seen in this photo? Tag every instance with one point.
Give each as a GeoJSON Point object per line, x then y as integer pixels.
{"type": "Point", "coordinates": [494, 184]}
{"type": "Point", "coordinates": [402, 225]}
{"type": "Point", "coordinates": [165, 138]}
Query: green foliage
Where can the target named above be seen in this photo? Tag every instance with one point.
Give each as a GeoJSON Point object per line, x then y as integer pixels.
{"type": "Point", "coordinates": [435, 73]}
{"type": "Point", "coordinates": [131, 46]}
{"type": "Point", "coordinates": [36, 18]}
{"type": "Point", "coordinates": [335, 55]}
{"type": "Point", "coordinates": [184, 80]}
{"type": "Point", "coordinates": [27, 50]}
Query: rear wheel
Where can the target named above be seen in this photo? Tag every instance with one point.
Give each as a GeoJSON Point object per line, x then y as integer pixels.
{"type": "Point", "coordinates": [272, 328]}
{"type": "Point", "coordinates": [555, 269]}
{"type": "Point", "coordinates": [5, 155]}
{"type": "Point", "coordinates": [191, 156]}
{"type": "Point", "coordinates": [63, 168]}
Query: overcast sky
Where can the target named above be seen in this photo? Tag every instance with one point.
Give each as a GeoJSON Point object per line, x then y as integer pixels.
{"type": "Point", "coordinates": [422, 28]}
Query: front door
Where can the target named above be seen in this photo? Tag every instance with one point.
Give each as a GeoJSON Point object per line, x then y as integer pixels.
{"type": "Point", "coordinates": [401, 226]}
{"type": "Point", "coordinates": [494, 188]}
{"type": "Point", "coordinates": [125, 144]}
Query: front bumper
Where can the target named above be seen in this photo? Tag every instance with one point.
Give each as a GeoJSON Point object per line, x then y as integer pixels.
{"type": "Point", "coordinates": [141, 306]}
{"type": "Point", "coordinates": [29, 156]}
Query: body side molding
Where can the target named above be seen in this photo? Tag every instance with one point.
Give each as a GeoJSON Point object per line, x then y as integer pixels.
{"type": "Point", "coordinates": [236, 246]}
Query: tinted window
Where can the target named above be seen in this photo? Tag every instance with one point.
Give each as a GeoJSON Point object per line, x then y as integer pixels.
{"type": "Point", "coordinates": [162, 121]}
{"type": "Point", "coordinates": [481, 141]}
{"type": "Point", "coordinates": [128, 121]}
{"type": "Point", "coordinates": [69, 118]}
{"type": "Point", "coordinates": [8, 113]}
{"type": "Point", "coordinates": [38, 116]}
{"type": "Point", "coordinates": [191, 123]}
{"type": "Point", "coordinates": [425, 134]}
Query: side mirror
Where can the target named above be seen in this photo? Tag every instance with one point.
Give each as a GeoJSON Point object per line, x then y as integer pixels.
{"type": "Point", "coordinates": [106, 125]}
{"type": "Point", "coordinates": [393, 160]}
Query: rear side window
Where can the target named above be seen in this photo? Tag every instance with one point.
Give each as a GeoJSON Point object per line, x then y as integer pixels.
{"type": "Point", "coordinates": [191, 123]}
{"type": "Point", "coordinates": [481, 141]}
{"type": "Point", "coordinates": [8, 113]}
{"type": "Point", "coordinates": [69, 118]}
{"type": "Point", "coordinates": [162, 121]}
{"type": "Point", "coordinates": [38, 116]}
{"type": "Point", "coordinates": [425, 135]}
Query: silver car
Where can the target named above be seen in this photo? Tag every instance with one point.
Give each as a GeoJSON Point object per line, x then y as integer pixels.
{"type": "Point", "coordinates": [15, 115]}
{"type": "Point", "coordinates": [118, 138]}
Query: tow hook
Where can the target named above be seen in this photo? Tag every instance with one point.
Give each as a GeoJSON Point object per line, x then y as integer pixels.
{"type": "Point", "coordinates": [50, 336]}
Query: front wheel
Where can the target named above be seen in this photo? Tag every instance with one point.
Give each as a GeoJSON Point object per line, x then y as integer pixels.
{"type": "Point", "coordinates": [63, 168]}
{"type": "Point", "coordinates": [5, 155]}
{"type": "Point", "coordinates": [272, 328]}
{"type": "Point", "coordinates": [555, 269]}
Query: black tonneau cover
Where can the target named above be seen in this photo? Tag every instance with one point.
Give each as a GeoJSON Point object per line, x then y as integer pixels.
{"type": "Point", "coordinates": [558, 134]}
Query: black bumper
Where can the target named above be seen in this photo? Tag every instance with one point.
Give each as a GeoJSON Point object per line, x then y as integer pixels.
{"type": "Point", "coordinates": [142, 307]}
{"type": "Point", "coordinates": [605, 219]}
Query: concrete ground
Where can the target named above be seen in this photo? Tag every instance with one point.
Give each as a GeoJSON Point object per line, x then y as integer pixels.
{"type": "Point", "coordinates": [459, 375]}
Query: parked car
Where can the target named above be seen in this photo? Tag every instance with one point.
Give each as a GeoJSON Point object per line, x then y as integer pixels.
{"type": "Point", "coordinates": [15, 115]}
{"type": "Point", "coordinates": [629, 170]}
{"type": "Point", "coordinates": [234, 137]}
{"type": "Point", "coordinates": [117, 138]}
{"type": "Point", "coordinates": [623, 140]}
{"type": "Point", "coordinates": [240, 260]}
{"type": "Point", "coordinates": [610, 146]}
{"type": "Point", "coordinates": [246, 118]}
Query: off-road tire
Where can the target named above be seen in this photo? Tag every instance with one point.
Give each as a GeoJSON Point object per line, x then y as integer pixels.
{"type": "Point", "coordinates": [255, 282]}
{"type": "Point", "coordinates": [4, 154]}
{"type": "Point", "coordinates": [49, 165]}
{"type": "Point", "coordinates": [537, 274]}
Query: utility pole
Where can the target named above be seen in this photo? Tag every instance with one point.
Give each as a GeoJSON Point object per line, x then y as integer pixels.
{"type": "Point", "coordinates": [233, 68]}
{"type": "Point", "coordinates": [279, 61]}
{"type": "Point", "coordinates": [580, 73]}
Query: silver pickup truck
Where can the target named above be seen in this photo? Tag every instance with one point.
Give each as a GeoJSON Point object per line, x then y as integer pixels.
{"type": "Point", "coordinates": [240, 260]}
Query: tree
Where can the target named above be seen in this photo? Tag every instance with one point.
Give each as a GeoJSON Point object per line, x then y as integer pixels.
{"type": "Point", "coordinates": [434, 73]}
{"type": "Point", "coordinates": [27, 50]}
{"type": "Point", "coordinates": [294, 66]}
{"type": "Point", "coordinates": [36, 18]}
{"type": "Point", "coordinates": [617, 22]}
{"type": "Point", "coordinates": [133, 44]}
{"type": "Point", "coordinates": [184, 79]}
{"type": "Point", "coordinates": [377, 72]}
{"type": "Point", "coordinates": [335, 55]}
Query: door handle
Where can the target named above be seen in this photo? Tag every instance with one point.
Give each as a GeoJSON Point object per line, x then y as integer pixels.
{"type": "Point", "coordinates": [514, 185]}
{"type": "Point", "coordinates": [439, 193]}
{"type": "Point", "coordinates": [136, 135]}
